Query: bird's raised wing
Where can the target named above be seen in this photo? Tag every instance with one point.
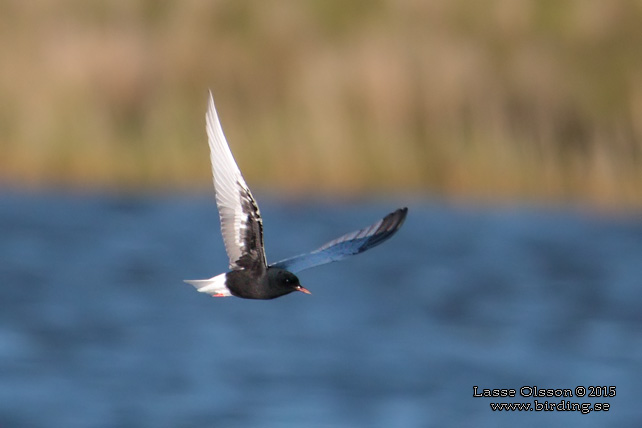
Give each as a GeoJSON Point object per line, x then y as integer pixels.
{"type": "Point", "coordinates": [241, 223]}
{"type": "Point", "coordinates": [348, 244]}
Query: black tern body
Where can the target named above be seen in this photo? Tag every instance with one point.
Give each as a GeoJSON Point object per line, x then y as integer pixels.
{"type": "Point", "coordinates": [250, 276]}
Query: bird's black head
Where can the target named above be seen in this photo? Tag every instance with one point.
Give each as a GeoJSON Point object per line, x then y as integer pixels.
{"type": "Point", "coordinates": [283, 282]}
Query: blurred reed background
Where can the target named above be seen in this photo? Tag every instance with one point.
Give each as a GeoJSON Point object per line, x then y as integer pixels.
{"type": "Point", "coordinates": [528, 99]}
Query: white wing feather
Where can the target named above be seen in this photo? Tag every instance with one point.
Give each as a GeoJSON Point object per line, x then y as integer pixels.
{"type": "Point", "coordinates": [233, 198]}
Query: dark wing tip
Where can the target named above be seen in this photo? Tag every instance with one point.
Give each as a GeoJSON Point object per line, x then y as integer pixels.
{"type": "Point", "coordinates": [399, 216]}
{"type": "Point", "coordinates": [390, 224]}
{"type": "Point", "coordinates": [393, 221]}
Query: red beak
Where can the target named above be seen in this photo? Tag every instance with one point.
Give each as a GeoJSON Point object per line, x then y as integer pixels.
{"type": "Point", "coordinates": [302, 289]}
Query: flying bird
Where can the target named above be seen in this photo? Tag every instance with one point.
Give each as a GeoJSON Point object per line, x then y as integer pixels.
{"type": "Point", "coordinates": [250, 276]}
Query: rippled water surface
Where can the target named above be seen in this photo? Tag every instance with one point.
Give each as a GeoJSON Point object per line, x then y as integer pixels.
{"type": "Point", "coordinates": [98, 330]}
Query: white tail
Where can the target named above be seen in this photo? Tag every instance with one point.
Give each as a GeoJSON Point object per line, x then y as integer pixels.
{"type": "Point", "coordinates": [214, 286]}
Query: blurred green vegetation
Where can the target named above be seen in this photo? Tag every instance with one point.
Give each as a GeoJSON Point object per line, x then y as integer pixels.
{"type": "Point", "coordinates": [536, 99]}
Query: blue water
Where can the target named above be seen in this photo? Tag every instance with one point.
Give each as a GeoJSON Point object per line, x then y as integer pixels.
{"type": "Point", "coordinates": [98, 330]}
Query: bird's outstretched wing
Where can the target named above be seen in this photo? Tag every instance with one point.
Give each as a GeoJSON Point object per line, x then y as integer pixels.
{"type": "Point", "coordinates": [241, 223]}
{"type": "Point", "coordinates": [348, 244]}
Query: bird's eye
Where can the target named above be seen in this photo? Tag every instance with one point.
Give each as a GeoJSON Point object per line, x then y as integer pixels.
{"type": "Point", "coordinates": [287, 280]}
